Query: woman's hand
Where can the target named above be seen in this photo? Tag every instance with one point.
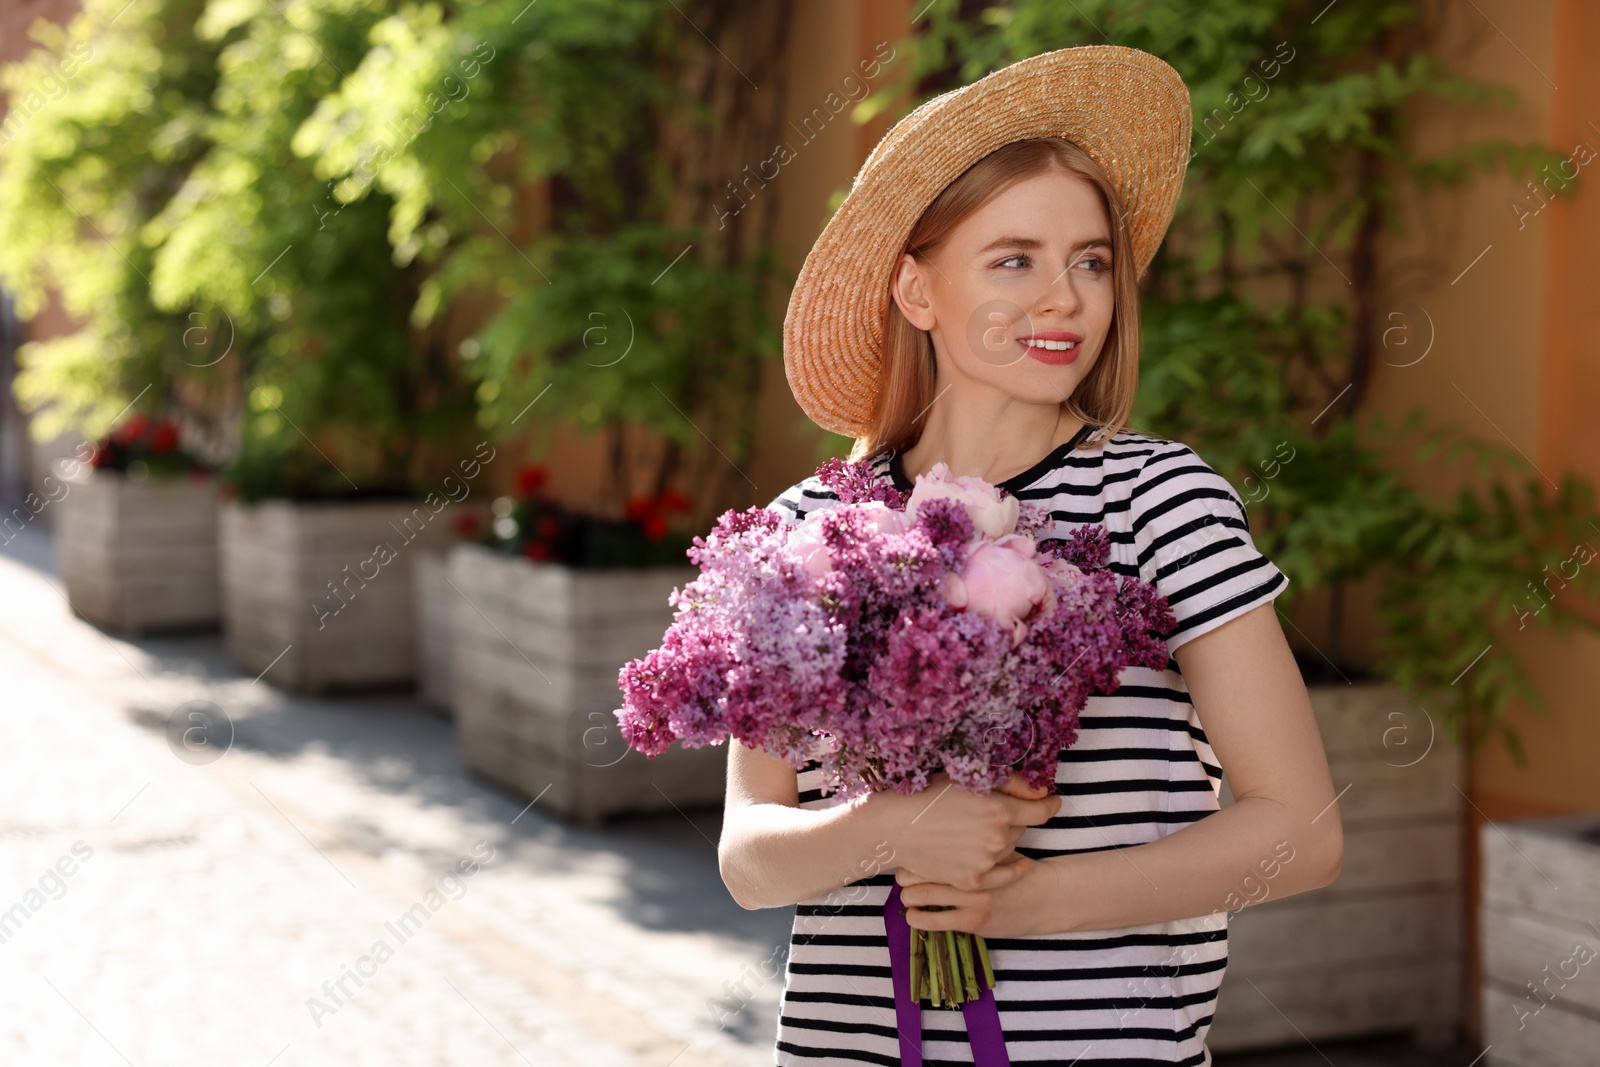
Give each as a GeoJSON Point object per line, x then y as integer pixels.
{"type": "Point", "coordinates": [946, 834]}
{"type": "Point", "coordinates": [1005, 905]}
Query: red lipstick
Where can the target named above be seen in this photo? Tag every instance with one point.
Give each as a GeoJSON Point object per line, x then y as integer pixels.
{"type": "Point", "coordinates": [1062, 346]}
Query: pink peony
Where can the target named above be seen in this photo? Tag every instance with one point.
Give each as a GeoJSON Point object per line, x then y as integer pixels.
{"type": "Point", "coordinates": [993, 515]}
{"type": "Point", "coordinates": [1003, 581]}
{"type": "Point", "coordinates": [884, 520]}
{"type": "Point", "coordinates": [805, 547]}
{"type": "Point", "coordinates": [1062, 574]}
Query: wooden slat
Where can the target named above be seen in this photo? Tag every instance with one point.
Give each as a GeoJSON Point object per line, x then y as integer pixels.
{"type": "Point", "coordinates": [434, 605]}
{"type": "Point", "coordinates": [1540, 922]}
{"type": "Point", "coordinates": [278, 559]}
{"type": "Point", "coordinates": [1543, 865]}
{"type": "Point", "coordinates": [1381, 948]}
{"type": "Point", "coordinates": [1554, 1037]}
{"type": "Point", "coordinates": [1312, 1003]}
{"type": "Point", "coordinates": [1317, 930]}
{"type": "Point", "coordinates": [1560, 958]}
{"type": "Point", "coordinates": [536, 652]}
{"type": "Point", "coordinates": [140, 557]}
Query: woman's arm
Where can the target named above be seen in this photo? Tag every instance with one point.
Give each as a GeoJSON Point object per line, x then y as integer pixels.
{"type": "Point", "coordinates": [1281, 836]}
{"type": "Point", "coordinates": [774, 853]}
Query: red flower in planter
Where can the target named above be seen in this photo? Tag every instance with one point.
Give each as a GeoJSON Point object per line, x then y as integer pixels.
{"type": "Point", "coordinates": [468, 523]}
{"type": "Point", "coordinates": [131, 430]}
{"type": "Point", "coordinates": [100, 458]}
{"type": "Point", "coordinates": [163, 437]}
{"type": "Point", "coordinates": [655, 527]}
{"type": "Point", "coordinates": [639, 508]}
{"type": "Point", "coordinates": [672, 500]}
{"type": "Point", "coordinates": [530, 479]}
{"type": "Point", "coordinates": [536, 550]}
{"type": "Point", "coordinates": [548, 526]}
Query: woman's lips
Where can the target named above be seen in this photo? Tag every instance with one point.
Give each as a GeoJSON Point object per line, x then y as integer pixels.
{"type": "Point", "coordinates": [1052, 346]}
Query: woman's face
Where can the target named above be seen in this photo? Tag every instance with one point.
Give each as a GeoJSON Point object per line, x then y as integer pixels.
{"type": "Point", "coordinates": [1020, 295]}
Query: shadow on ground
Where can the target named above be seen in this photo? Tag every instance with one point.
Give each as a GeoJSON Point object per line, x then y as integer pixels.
{"type": "Point", "coordinates": [393, 744]}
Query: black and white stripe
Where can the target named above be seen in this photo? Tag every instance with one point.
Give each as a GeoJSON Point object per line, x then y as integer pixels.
{"type": "Point", "coordinates": [1141, 769]}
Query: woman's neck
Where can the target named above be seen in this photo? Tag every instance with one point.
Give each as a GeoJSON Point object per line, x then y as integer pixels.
{"type": "Point", "coordinates": [993, 455]}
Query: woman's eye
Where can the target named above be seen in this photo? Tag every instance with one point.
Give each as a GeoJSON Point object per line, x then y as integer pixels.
{"type": "Point", "coordinates": [1101, 265]}
{"type": "Point", "coordinates": [1020, 261]}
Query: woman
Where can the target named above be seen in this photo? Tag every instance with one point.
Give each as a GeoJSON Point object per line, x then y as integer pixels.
{"type": "Point", "coordinates": [975, 302]}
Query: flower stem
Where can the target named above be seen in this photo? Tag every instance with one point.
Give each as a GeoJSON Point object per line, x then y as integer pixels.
{"type": "Point", "coordinates": [956, 986]}
{"type": "Point", "coordinates": [969, 973]}
{"type": "Point", "coordinates": [983, 958]}
{"type": "Point", "coordinates": [916, 965]}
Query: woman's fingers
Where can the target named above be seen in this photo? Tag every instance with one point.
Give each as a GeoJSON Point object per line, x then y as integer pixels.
{"type": "Point", "coordinates": [1032, 812]}
{"type": "Point", "coordinates": [906, 877]}
{"type": "Point", "coordinates": [924, 893]}
{"type": "Point", "coordinates": [1016, 787]}
{"type": "Point", "coordinates": [934, 895]}
{"type": "Point", "coordinates": [1001, 875]}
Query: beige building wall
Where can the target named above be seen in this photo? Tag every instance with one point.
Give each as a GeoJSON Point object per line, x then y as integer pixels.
{"type": "Point", "coordinates": [1503, 283]}
{"type": "Point", "coordinates": [1553, 416]}
{"type": "Point", "coordinates": [831, 38]}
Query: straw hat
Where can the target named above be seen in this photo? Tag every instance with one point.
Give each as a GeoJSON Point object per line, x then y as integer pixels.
{"type": "Point", "coordinates": [1126, 108]}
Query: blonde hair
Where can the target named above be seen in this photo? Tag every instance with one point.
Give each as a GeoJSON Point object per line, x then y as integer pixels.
{"type": "Point", "coordinates": [1105, 396]}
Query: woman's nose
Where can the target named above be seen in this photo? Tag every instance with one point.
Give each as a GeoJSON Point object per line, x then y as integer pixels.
{"type": "Point", "coordinates": [1060, 296]}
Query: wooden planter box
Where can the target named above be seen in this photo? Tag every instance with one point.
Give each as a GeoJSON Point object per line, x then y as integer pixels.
{"type": "Point", "coordinates": [537, 651]}
{"type": "Point", "coordinates": [140, 557]}
{"type": "Point", "coordinates": [434, 602]}
{"type": "Point", "coordinates": [319, 595]}
{"type": "Point", "coordinates": [1381, 948]}
{"type": "Point", "coordinates": [1540, 932]}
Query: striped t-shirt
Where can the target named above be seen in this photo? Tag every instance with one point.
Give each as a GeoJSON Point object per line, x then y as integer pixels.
{"type": "Point", "coordinates": [1140, 769]}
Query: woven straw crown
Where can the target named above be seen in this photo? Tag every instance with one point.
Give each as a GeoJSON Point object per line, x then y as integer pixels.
{"type": "Point", "coordinates": [1128, 109]}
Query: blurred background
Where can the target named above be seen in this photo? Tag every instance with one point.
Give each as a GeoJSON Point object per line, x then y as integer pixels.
{"type": "Point", "coordinates": [368, 368]}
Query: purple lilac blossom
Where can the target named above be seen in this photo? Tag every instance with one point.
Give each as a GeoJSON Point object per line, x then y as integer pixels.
{"type": "Point", "coordinates": [866, 667]}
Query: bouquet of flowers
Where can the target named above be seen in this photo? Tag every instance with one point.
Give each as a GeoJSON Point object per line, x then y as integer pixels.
{"type": "Point", "coordinates": [891, 637]}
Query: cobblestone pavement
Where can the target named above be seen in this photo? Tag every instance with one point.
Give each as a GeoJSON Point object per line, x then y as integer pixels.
{"type": "Point", "coordinates": [335, 889]}
{"type": "Point", "coordinates": [273, 906]}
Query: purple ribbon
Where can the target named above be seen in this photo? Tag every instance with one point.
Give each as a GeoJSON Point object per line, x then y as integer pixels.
{"type": "Point", "coordinates": [982, 1016]}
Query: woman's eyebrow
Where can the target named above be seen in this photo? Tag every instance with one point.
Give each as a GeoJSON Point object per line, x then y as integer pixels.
{"type": "Point", "coordinates": [1034, 244]}
{"type": "Point", "coordinates": [1030, 243]}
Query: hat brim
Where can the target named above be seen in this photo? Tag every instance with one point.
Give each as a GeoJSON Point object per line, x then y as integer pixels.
{"type": "Point", "coordinates": [1128, 109]}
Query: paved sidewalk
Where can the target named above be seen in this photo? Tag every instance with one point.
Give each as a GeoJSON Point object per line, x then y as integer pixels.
{"type": "Point", "coordinates": [232, 912]}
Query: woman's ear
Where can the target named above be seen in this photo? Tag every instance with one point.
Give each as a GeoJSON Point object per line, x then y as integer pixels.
{"type": "Point", "coordinates": [911, 294]}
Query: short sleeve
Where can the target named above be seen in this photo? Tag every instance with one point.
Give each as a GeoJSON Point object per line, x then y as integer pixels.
{"type": "Point", "coordinates": [802, 498]}
{"type": "Point", "coordinates": [1192, 537]}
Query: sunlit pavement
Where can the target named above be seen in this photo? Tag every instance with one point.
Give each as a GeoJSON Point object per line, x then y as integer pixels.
{"type": "Point", "coordinates": [335, 889]}
{"type": "Point", "coordinates": [252, 910]}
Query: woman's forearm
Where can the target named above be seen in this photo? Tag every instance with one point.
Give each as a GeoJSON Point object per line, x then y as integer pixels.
{"type": "Point", "coordinates": [1280, 836]}
{"type": "Point", "coordinates": [1254, 850]}
{"type": "Point", "coordinates": [773, 855]}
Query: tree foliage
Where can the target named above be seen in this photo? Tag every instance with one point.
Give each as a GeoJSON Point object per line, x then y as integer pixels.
{"type": "Point", "coordinates": [398, 220]}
